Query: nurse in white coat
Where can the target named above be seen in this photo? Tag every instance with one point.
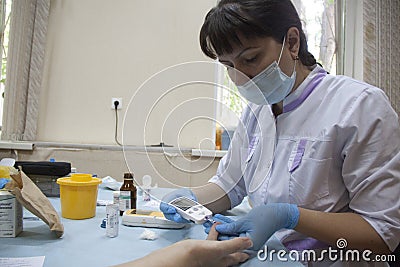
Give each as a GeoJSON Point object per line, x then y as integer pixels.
{"type": "Point", "coordinates": [318, 155]}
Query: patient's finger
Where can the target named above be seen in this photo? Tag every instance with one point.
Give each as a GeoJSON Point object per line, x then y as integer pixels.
{"type": "Point", "coordinates": [226, 237]}
{"type": "Point", "coordinates": [234, 245]}
{"type": "Point", "coordinates": [213, 234]}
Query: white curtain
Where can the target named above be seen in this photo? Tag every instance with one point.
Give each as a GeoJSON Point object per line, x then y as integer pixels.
{"type": "Point", "coordinates": [382, 47]}
{"type": "Point", "coordinates": [28, 29]}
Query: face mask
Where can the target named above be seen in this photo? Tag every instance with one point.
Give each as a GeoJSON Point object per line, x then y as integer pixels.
{"type": "Point", "coordinates": [270, 86]}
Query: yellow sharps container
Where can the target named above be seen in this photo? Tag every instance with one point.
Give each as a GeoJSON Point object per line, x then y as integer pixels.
{"type": "Point", "coordinates": [78, 195]}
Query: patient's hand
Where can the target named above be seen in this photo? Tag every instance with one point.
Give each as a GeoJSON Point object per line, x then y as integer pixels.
{"type": "Point", "coordinates": [198, 253]}
{"type": "Point", "coordinates": [221, 253]}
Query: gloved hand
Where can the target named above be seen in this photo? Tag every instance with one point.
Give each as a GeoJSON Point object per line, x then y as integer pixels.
{"type": "Point", "coordinates": [169, 211]}
{"type": "Point", "coordinates": [3, 182]}
{"type": "Point", "coordinates": [221, 219]}
{"type": "Point", "coordinates": [260, 223]}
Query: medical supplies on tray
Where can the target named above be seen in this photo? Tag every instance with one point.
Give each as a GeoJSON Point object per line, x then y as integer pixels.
{"type": "Point", "coordinates": [45, 174]}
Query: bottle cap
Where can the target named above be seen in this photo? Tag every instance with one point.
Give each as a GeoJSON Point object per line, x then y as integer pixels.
{"type": "Point", "coordinates": [128, 175]}
{"type": "Point", "coordinates": [103, 223]}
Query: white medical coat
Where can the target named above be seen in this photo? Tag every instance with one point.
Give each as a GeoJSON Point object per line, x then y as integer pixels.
{"type": "Point", "coordinates": [338, 151]}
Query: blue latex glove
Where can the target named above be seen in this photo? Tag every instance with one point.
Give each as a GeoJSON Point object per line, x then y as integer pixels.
{"type": "Point", "coordinates": [169, 211]}
{"type": "Point", "coordinates": [217, 218]}
{"type": "Point", "coordinates": [260, 223]}
{"type": "Point", "coordinates": [3, 182]}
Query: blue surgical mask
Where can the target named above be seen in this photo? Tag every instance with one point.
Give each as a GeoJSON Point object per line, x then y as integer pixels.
{"type": "Point", "coordinates": [270, 86]}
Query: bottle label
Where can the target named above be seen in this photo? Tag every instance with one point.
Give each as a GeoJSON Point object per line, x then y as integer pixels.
{"type": "Point", "coordinates": [116, 198]}
{"type": "Point", "coordinates": [125, 200]}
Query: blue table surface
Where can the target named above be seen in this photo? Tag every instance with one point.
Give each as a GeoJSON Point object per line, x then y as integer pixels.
{"type": "Point", "coordinates": [84, 242]}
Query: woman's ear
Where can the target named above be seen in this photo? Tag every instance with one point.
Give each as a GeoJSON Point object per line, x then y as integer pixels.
{"type": "Point", "coordinates": [293, 41]}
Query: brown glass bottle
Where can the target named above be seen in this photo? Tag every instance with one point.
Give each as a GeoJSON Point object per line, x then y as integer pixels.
{"type": "Point", "coordinates": [127, 198]}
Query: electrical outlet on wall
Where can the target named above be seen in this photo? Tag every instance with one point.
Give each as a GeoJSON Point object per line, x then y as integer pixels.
{"type": "Point", "coordinates": [113, 100]}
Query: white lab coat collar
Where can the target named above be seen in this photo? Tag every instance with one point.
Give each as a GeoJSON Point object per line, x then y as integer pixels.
{"type": "Point", "coordinates": [297, 93]}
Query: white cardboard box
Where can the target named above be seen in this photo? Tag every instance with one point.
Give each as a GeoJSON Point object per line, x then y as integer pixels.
{"type": "Point", "coordinates": [10, 215]}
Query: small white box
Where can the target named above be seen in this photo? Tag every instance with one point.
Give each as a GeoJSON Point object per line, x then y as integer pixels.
{"type": "Point", "coordinates": [10, 215]}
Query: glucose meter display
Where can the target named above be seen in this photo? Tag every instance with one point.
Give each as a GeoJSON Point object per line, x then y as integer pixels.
{"type": "Point", "coordinates": [183, 203]}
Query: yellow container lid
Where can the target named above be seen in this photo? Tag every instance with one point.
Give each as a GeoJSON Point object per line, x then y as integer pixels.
{"type": "Point", "coordinates": [79, 179]}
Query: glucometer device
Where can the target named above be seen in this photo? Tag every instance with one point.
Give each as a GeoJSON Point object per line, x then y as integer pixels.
{"type": "Point", "coordinates": [192, 210]}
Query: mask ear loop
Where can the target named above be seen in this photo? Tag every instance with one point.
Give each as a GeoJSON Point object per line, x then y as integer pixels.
{"type": "Point", "coordinates": [283, 45]}
{"type": "Point", "coordinates": [280, 55]}
{"type": "Point", "coordinates": [295, 61]}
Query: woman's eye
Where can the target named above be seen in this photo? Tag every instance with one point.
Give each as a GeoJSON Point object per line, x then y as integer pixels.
{"type": "Point", "coordinates": [251, 60]}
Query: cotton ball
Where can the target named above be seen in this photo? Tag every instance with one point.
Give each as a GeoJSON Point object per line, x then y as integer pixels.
{"type": "Point", "coordinates": [148, 235]}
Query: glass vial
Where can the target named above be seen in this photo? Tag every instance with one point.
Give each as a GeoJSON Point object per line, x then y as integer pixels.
{"type": "Point", "coordinates": [218, 133]}
{"type": "Point", "coordinates": [112, 220]}
{"type": "Point", "coordinates": [146, 181]}
{"type": "Point", "coordinates": [127, 195]}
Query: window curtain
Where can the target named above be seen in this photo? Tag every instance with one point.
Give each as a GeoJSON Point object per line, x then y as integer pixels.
{"type": "Point", "coordinates": [382, 47]}
{"type": "Point", "coordinates": [2, 27]}
{"type": "Point", "coordinates": [28, 29]}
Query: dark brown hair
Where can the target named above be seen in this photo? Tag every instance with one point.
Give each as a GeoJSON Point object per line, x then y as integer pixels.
{"type": "Point", "coordinates": [251, 18]}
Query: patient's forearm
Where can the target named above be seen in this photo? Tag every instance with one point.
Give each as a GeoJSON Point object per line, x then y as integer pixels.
{"type": "Point", "coordinates": [172, 256]}
{"type": "Point", "coordinates": [213, 197]}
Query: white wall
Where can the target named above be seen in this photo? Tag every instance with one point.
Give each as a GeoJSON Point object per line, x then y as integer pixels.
{"type": "Point", "coordinates": [99, 49]}
{"type": "Point", "coordinates": [167, 169]}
